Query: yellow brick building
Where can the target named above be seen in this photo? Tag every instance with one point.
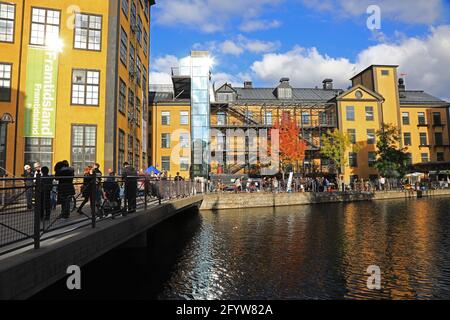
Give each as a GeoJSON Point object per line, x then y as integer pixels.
{"type": "Point", "coordinates": [376, 96]}
{"type": "Point", "coordinates": [90, 58]}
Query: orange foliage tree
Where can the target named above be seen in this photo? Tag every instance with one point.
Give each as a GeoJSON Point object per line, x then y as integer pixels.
{"type": "Point", "coordinates": [292, 147]}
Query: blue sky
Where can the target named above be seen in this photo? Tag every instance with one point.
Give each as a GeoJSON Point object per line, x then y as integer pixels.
{"type": "Point", "coordinates": [305, 40]}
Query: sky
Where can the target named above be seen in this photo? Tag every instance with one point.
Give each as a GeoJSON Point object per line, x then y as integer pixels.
{"type": "Point", "coordinates": [305, 40]}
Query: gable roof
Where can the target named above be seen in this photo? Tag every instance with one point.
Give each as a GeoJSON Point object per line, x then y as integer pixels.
{"type": "Point", "coordinates": [360, 87]}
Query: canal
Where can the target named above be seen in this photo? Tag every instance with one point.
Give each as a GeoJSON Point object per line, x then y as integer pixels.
{"type": "Point", "coordinates": [307, 252]}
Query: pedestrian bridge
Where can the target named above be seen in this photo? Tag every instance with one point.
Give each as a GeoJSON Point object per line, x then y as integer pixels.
{"type": "Point", "coordinates": [28, 266]}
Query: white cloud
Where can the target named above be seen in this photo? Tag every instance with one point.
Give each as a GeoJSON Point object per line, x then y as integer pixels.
{"type": "Point", "coordinates": [219, 78]}
{"type": "Point", "coordinates": [305, 68]}
{"type": "Point", "coordinates": [412, 12]}
{"type": "Point", "coordinates": [424, 60]}
{"type": "Point", "coordinates": [258, 24]}
{"type": "Point", "coordinates": [230, 47]}
{"type": "Point", "coordinates": [209, 15]}
{"type": "Point", "coordinates": [161, 69]}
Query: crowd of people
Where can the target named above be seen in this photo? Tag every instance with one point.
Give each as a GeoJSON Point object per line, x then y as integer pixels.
{"type": "Point", "coordinates": [59, 189]}
{"type": "Point", "coordinates": [302, 184]}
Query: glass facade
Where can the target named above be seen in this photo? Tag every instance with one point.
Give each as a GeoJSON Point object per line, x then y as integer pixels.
{"type": "Point", "coordinates": [197, 66]}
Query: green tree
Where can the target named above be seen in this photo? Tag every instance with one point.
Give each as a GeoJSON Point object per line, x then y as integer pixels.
{"type": "Point", "coordinates": [334, 147]}
{"type": "Point", "coordinates": [392, 161]}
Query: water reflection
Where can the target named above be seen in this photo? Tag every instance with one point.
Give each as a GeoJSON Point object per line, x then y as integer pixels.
{"type": "Point", "coordinates": [318, 252]}
{"type": "Point", "coordinates": [305, 252]}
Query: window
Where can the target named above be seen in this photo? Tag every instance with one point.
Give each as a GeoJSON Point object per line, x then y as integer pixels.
{"type": "Point", "coordinates": [409, 159]}
{"type": "Point", "coordinates": [369, 114]}
{"type": "Point", "coordinates": [39, 150]}
{"type": "Point", "coordinates": [268, 118]}
{"type": "Point", "coordinates": [184, 117]}
{"type": "Point", "coordinates": [370, 136]}
{"type": "Point", "coordinates": [351, 135]}
{"type": "Point", "coordinates": [424, 157]}
{"type": "Point", "coordinates": [184, 164]}
{"type": "Point", "coordinates": [121, 148]}
{"type": "Point", "coordinates": [440, 156]}
{"type": "Point", "coordinates": [184, 140]}
{"type": "Point", "coordinates": [284, 93]}
{"type": "Point", "coordinates": [130, 149]}
{"type": "Point", "coordinates": [88, 31]}
{"type": "Point", "coordinates": [7, 16]}
{"type": "Point", "coordinates": [144, 83]}
{"type": "Point", "coordinates": [130, 104]}
{"type": "Point", "coordinates": [221, 118]}
{"type": "Point", "coordinates": [83, 146]}
{"type": "Point", "coordinates": [122, 96]}
{"type": "Point", "coordinates": [138, 112]}
{"type": "Point", "coordinates": [405, 118]}
{"type": "Point", "coordinates": [384, 72]}
{"type": "Point", "coordinates": [407, 138]}
{"type": "Point", "coordinates": [438, 139]}
{"type": "Point", "coordinates": [85, 87]}
{"type": "Point", "coordinates": [123, 46]}
{"type": "Point", "coordinates": [132, 66]}
{"type": "Point", "coordinates": [138, 71]}
{"type": "Point", "coordinates": [139, 30]}
{"type": "Point", "coordinates": [249, 116]}
{"type": "Point", "coordinates": [165, 163]}
{"type": "Point", "coordinates": [133, 16]}
{"type": "Point", "coordinates": [165, 118]}
{"type": "Point", "coordinates": [423, 139]}
{"type": "Point", "coordinates": [437, 118]}
{"type": "Point", "coordinates": [137, 153]}
{"type": "Point", "coordinates": [165, 140]}
{"type": "Point", "coordinates": [421, 118]}
{"type": "Point", "coordinates": [350, 113]}
{"type": "Point", "coordinates": [225, 96]}
{"type": "Point", "coordinates": [5, 81]}
{"type": "Point", "coordinates": [145, 48]}
{"type": "Point", "coordinates": [372, 159]}
{"type": "Point", "coordinates": [44, 26]}
{"type": "Point", "coordinates": [125, 9]}
{"type": "Point", "coordinates": [353, 159]}
{"type": "Point", "coordinates": [306, 117]}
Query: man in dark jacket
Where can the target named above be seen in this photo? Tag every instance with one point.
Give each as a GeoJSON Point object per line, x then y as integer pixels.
{"type": "Point", "coordinates": [129, 175]}
{"type": "Point", "coordinates": [46, 190]}
{"type": "Point", "coordinates": [66, 189]}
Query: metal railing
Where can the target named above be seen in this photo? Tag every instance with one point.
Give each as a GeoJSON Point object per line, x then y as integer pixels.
{"type": "Point", "coordinates": [37, 208]}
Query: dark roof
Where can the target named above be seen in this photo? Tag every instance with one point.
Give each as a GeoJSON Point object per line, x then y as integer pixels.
{"type": "Point", "coordinates": [298, 94]}
{"type": "Point", "coordinates": [416, 97]}
{"type": "Point", "coordinates": [160, 96]}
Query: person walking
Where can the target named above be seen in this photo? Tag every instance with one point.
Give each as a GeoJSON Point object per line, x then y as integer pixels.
{"type": "Point", "coordinates": [46, 190]}
{"type": "Point", "coordinates": [129, 175]}
{"type": "Point", "coordinates": [86, 189]}
{"type": "Point", "coordinates": [66, 190]}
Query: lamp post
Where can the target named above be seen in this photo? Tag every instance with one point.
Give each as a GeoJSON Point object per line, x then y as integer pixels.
{"type": "Point", "coordinates": [6, 119]}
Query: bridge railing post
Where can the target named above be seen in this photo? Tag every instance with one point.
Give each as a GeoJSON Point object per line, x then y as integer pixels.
{"type": "Point", "coordinates": [146, 188]}
{"type": "Point", "coordinates": [93, 199]}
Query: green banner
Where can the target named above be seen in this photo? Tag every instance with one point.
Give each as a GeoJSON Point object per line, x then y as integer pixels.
{"type": "Point", "coordinates": [41, 88]}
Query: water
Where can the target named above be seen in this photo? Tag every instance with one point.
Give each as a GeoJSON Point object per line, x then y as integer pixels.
{"type": "Point", "coordinates": [305, 252]}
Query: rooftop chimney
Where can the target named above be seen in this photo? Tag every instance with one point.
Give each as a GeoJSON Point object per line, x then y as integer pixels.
{"type": "Point", "coordinates": [401, 84]}
{"type": "Point", "coordinates": [248, 85]}
{"type": "Point", "coordinates": [328, 84]}
{"type": "Point", "coordinates": [284, 80]}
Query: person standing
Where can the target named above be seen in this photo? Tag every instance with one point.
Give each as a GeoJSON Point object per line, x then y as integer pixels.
{"type": "Point", "coordinates": [28, 181]}
{"type": "Point", "coordinates": [46, 190]}
{"type": "Point", "coordinates": [66, 190]}
{"type": "Point", "coordinates": [129, 175]}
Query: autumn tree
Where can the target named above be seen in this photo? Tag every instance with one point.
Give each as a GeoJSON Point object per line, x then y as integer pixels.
{"type": "Point", "coordinates": [291, 146]}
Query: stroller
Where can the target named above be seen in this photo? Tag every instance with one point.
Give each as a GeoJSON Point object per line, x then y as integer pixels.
{"type": "Point", "coordinates": [113, 201]}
